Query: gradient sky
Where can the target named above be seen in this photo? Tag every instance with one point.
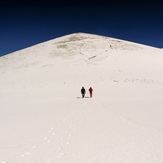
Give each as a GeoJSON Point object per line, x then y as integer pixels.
{"type": "Point", "coordinates": [25, 23]}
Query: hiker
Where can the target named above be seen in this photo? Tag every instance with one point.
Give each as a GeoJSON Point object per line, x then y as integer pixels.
{"type": "Point", "coordinates": [90, 91]}
{"type": "Point", "coordinates": [83, 92]}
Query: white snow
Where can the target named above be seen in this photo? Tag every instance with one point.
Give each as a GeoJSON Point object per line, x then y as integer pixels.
{"type": "Point", "coordinates": [43, 118]}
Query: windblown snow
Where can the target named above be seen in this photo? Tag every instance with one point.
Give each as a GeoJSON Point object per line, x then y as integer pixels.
{"type": "Point", "coordinates": [43, 118]}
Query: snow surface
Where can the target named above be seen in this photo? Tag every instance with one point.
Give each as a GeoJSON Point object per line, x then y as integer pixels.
{"type": "Point", "coordinates": [43, 118]}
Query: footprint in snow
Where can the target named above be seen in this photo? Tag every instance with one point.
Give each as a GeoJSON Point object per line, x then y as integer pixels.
{"type": "Point", "coordinates": [51, 129]}
{"type": "Point", "coordinates": [67, 143]}
{"type": "Point", "coordinates": [59, 123]}
{"type": "Point", "coordinates": [61, 154]}
{"type": "Point", "coordinates": [34, 147]}
{"type": "Point", "coordinates": [27, 153]}
{"type": "Point", "coordinates": [45, 138]}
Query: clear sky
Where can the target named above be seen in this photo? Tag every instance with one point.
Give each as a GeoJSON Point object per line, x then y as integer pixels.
{"type": "Point", "coordinates": [28, 22]}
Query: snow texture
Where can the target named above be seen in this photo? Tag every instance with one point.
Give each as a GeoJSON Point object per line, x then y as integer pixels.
{"type": "Point", "coordinates": [44, 119]}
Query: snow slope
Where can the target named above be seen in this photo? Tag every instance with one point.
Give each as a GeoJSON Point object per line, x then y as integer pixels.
{"type": "Point", "coordinates": [44, 119]}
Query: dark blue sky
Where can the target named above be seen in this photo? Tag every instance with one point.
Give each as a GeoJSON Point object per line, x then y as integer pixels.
{"type": "Point", "coordinates": [25, 23]}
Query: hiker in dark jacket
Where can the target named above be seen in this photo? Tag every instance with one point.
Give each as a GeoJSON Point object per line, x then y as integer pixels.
{"type": "Point", "coordinates": [83, 92]}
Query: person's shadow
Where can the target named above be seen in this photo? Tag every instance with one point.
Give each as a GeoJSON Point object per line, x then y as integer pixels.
{"type": "Point", "coordinates": [82, 97]}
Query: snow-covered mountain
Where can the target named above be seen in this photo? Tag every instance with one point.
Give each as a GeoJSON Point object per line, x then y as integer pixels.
{"type": "Point", "coordinates": [73, 51]}
{"type": "Point", "coordinates": [81, 46]}
{"type": "Point", "coordinates": [44, 119]}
